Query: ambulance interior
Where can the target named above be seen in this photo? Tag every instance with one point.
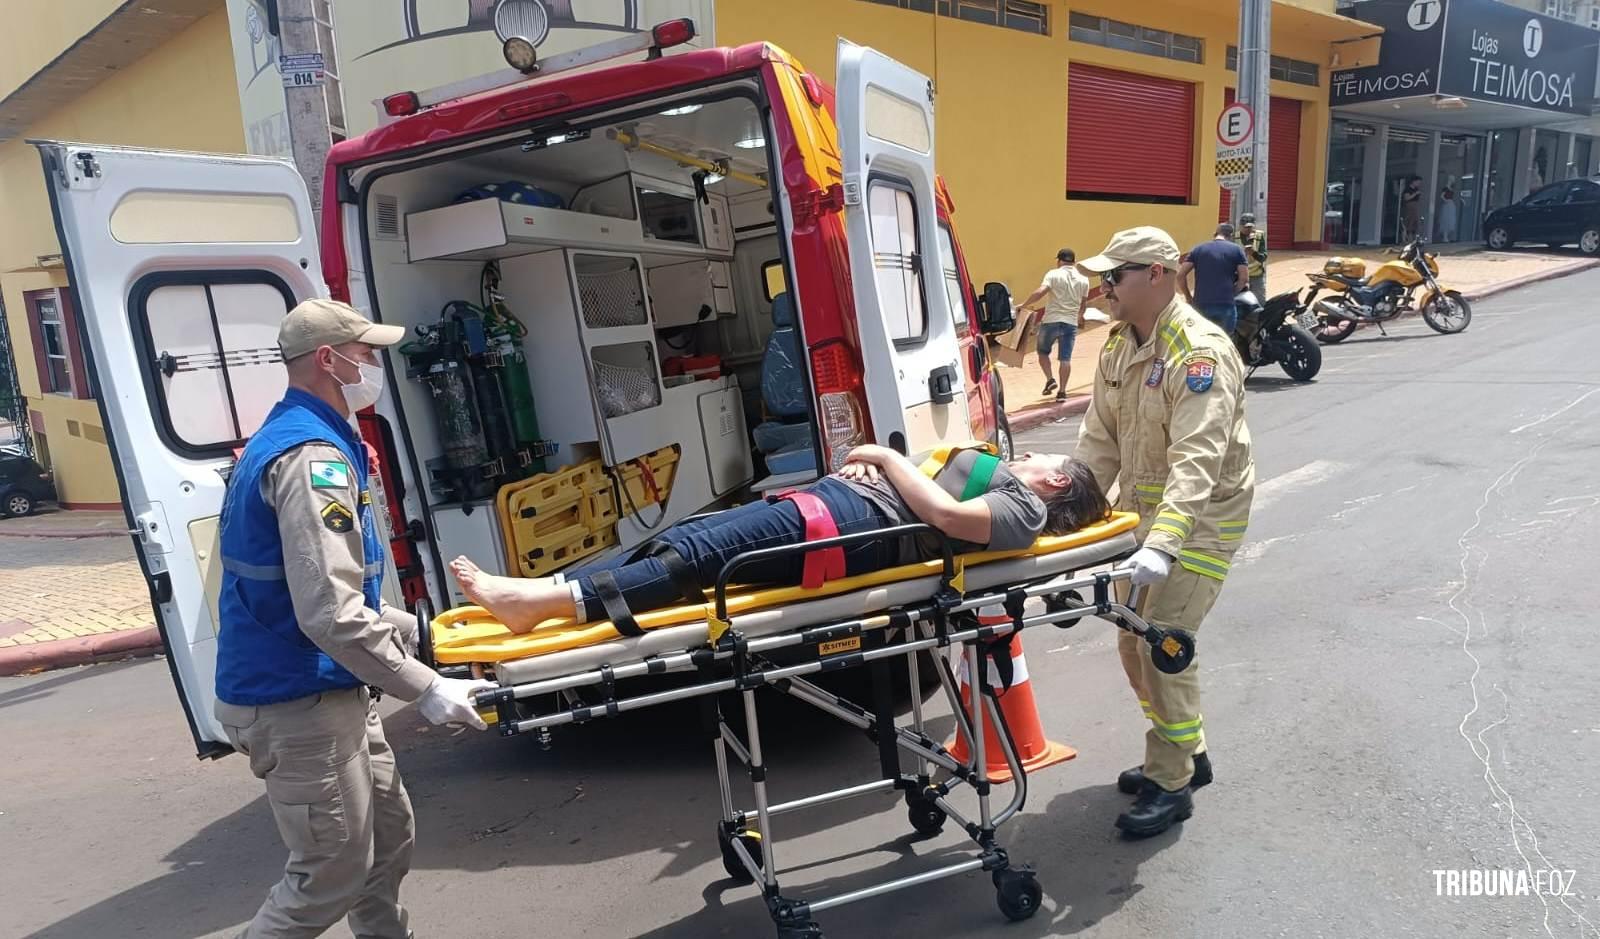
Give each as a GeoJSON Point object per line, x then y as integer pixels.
{"type": "Point", "coordinates": [637, 263]}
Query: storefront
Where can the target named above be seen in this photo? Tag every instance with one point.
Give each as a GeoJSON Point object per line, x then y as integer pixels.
{"type": "Point", "coordinates": [1475, 109]}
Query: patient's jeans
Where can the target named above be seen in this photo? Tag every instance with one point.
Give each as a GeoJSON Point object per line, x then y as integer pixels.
{"type": "Point", "coordinates": [709, 543]}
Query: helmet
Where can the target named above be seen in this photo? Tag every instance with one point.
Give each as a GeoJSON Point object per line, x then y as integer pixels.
{"type": "Point", "coordinates": [1247, 218]}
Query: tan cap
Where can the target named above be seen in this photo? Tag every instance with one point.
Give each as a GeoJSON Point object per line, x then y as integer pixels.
{"type": "Point", "coordinates": [1143, 245]}
{"type": "Point", "coordinates": [321, 322]}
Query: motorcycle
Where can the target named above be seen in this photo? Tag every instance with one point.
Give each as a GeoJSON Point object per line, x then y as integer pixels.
{"type": "Point", "coordinates": [1356, 299]}
{"type": "Point", "coordinates": [1270, 332]}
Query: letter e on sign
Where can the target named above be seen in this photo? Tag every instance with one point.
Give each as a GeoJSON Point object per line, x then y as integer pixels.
{"type": "Point", "coordinates": [1235, 125]}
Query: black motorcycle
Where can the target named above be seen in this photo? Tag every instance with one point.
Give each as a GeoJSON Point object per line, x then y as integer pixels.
{"type": "Point", "coordinates": [1271, 332]}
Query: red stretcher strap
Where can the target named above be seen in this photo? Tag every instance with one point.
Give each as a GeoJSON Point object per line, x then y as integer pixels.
{"type": "Point", "coordinates": [828, 563]}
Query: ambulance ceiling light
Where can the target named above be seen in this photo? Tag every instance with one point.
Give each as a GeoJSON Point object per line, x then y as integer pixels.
{"type": "Point", "coordinates": [751, 143]}
{"type": "Point", "coordinates": [681, 111]}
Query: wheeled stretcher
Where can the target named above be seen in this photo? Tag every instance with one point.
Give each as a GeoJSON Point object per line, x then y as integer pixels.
{"type": "Point", "coordinates": [742, 639]}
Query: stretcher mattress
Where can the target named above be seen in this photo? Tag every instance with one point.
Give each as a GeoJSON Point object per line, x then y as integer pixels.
{"type": "Point", "coordinates": [470, 635]}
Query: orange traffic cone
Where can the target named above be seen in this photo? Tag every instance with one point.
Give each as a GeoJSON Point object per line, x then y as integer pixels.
{"type": "Point", "coordinates": [1021, 713]}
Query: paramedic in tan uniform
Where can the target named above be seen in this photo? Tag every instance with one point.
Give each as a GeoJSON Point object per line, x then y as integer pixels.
{"type": "Point", "coordinates": [1167, 423]}
{"type": "Point", "coordinates": [304, 634]}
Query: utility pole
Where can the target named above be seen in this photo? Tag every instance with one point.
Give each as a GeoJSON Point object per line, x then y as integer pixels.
{"type": "Point", "coordinates": [311, 90]}
{"type": "Point", "coordinates": [1255, 92]}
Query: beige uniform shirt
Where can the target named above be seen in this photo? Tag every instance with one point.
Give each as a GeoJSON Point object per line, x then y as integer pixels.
{"type": "Point", "coordinates": [1167, 422]}
{"type": "Point", "coordinates": [324, 563]}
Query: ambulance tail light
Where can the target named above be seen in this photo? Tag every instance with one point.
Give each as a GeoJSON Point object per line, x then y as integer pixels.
{"type": "Point", "coordinates": [838, 383]}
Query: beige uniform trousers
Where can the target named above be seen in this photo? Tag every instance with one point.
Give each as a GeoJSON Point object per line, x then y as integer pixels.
{"type": "Point", "coordinates": [1171, 702]}
{"type": "Point", "coordinates": [341, 809]}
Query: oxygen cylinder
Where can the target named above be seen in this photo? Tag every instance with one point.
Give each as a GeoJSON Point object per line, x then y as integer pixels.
{"type": "Point", "coordinates": [459, 433]}
{"type": "Point", "coordinates": [517, 385]}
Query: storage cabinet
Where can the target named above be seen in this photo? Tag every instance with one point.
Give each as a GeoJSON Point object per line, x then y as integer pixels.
{"type": "Point", "coordinates": [716, 223]}
{"type": "Point", "coordinates": [681, 293]}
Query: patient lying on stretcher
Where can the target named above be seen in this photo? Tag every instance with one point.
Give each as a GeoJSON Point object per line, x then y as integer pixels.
{"type": "Point", "coordinates": [979, 502]}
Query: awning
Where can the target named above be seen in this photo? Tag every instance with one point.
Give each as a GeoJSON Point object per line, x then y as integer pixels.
{"type": "Point", "coordinates": [1300, 18]}
{"type": "Point", "coordinates": [1464, 114]}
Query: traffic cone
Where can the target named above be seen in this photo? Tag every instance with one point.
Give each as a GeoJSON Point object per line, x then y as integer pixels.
{"type": "Point", "coordinates": [1021, 714]}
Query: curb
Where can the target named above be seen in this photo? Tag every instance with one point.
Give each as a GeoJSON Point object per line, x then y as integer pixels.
{"type": "Point", "coordinates": [69, 533]}
{"type": "Point", "coordinates": [1523, 281]}
{"type": "Point", "coordinates": [1029, 418]}
{"type": "Point", "coordinates": [86, 650]}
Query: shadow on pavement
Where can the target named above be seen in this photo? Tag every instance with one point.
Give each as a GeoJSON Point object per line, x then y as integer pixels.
{"type": "Point", "coordinates": [42, 688]}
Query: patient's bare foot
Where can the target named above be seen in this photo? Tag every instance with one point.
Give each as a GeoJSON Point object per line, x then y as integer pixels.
{"type": "Point", "coordinates": [519, 604]}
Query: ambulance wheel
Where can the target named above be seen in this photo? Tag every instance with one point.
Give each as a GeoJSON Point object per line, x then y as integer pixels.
{"type": "Point", "coordinates": [926, 817]}
{"type": "Point", "coordinates": [1018, 894]}
{"type": "Point", "coordinates": [1002, 437]}
{"type": "Point", "coordinates": [730, 860]}
{"type": "Point", "coordinates": [1172, 651]}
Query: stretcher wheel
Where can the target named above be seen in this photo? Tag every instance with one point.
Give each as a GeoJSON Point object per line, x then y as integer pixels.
{"type": "Point", "coordinates": [1171, 650]}
{"type": "Point", "coordinates": [1018, 894]}
{"type": "Point", "coordinates": [802, 931]}
{"type": "Point", "coordinates": [1065, 600]}
{"type": "Point", "coordinates": [730, 860]}
{"type": "Point", "coordinates": [926, 817]}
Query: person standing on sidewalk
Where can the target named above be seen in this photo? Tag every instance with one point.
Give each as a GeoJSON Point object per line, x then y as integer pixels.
{"type": "Point", "coordinates": [1254, 242]}
{"type": "Point", "coordinates": [1167, 424]}
{"type": "Point", "coordinates": [1063, 317]}
{"type": "Point", "coordinates": [1220, 272]}
{"type": "Point", "coordinates": [304, 632]}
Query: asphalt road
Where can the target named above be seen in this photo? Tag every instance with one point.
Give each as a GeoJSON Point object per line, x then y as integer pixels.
{"type": "Point", "coordinates": [1395, 679]}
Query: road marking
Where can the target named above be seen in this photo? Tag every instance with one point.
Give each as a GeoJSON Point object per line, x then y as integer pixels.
{"type": "Point", "coordinates": [1279, 486]}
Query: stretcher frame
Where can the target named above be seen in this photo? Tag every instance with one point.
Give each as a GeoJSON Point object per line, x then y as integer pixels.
{"type": "Point", "coordinates": [948, 620]}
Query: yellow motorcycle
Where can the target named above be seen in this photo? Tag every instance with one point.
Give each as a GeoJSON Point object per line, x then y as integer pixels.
{"type": "Point", "coordinates": [1355, 298]}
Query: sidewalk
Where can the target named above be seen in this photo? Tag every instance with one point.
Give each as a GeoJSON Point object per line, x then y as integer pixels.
{"type": "Point", "coordinates": [1475, 272]}
{"type": "Point", "coordinates": [68, 600]}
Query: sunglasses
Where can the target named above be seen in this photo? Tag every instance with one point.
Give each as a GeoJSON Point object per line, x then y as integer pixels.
{"type": "Point", "coordinates": [1114, 276]}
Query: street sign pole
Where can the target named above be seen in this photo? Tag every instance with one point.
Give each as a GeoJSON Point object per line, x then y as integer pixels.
{"type": "Point", "coordinates": [1255, 83]}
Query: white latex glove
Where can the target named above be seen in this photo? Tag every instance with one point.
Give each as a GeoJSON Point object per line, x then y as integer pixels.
{"type": "Point", "coordinates": [449, 701]}
{"type": "Point", "coordinates": [1149, 566]}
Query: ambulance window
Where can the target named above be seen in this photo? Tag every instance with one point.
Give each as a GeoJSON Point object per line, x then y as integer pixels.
{"type": "Point", "coordinates": [210, 353]}
{"type": "Point", "coordinates": [952, 282]}
{"type": "Point", "coordinates": [896, 259]}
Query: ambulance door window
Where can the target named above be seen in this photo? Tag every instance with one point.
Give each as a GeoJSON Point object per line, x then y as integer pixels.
{"type": "Point", "coordinates": [212, 365]}
{"type": "Point", "coordinates": [897, 261]}
{"type": "Point", "coordinates": [952, 282]}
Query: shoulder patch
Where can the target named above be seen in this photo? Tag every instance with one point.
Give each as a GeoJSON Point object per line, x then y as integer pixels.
{"type": "Point", "coordinates": [1158, 369]}
{"type": "Point", "coordinates": [1200, 367]}
{"type": "Point", "coordinates": [337, 519]}
{"type": "Point", "coordinates": [330, 474]}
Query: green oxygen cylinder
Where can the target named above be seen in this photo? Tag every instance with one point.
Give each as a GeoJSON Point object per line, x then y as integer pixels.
{"type": "Point", "coordinates": [517, 384]}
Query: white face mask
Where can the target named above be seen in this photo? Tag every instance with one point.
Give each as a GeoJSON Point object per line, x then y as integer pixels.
{"type": "Point", "coordinates": [364, 393]}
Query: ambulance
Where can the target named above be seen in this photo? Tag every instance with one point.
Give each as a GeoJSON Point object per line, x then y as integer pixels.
{"type": "Point", "coordinates": [638, 286]}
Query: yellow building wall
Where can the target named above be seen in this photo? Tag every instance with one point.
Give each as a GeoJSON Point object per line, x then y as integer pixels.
{"type": "Point", "coordinates": [182, 95]}
{"type": "Point", "coordinates": [1001, 115]}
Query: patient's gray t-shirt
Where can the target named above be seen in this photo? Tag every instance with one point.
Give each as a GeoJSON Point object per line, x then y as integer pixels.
{"type": "Point", "coordinates": [1016, 514]}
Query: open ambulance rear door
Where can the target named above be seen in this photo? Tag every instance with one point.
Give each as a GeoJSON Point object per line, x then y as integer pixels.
{"type": "Point", "coordinates": [183, 265]}
{"type": "Point", "coordinates": [909, 345]}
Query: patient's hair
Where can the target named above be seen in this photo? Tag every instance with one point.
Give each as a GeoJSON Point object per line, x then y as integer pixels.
{"type": "Point", "coordinates": [1079, 505]}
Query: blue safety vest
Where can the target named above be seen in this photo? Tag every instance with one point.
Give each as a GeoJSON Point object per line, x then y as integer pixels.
{"type": "Point", "coordinates": [263, 657]}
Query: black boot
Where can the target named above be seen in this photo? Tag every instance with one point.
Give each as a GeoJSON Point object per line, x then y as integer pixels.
{"type": "Point", "coordinates": [1155, 811]}
{"type": "Point", "coordinates": [1132, 780]}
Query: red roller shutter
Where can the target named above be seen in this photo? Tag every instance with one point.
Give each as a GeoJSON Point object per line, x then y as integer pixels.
{"type": "Point", "coordinates": [1283, 172]}
{"type": "Point", "coordinates": [1129, 137]}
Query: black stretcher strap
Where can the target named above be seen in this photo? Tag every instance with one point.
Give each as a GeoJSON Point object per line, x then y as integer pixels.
{"type": "Point", "coordinates": [610, 596]}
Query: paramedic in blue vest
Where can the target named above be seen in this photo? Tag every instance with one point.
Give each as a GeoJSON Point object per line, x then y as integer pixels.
{"type": "Point", "coordinates": [304, 633]}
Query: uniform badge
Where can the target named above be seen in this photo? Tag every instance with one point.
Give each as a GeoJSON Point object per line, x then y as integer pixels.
{"type": "Point", "coordinates": [1158, 369]}
{"type": "Point", "coordinates": [337, 519]}
{"type": "Point", "coordinates": [1201, 369]}
{"type": "Point", "coordinates": [330, 474]}
{"type": "Point", "coordinates": [366, 498]}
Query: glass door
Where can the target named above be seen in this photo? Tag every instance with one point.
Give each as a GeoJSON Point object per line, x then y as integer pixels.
{"type": "Point", "coordinates": [1501, 186]}
{"type": "Point", "coordinates": [1582, 152]}
{"type": "Point", "coordinates": [1405, 200]}
{"type": "Point", "coordinates": [1456, 210]}
{"type": "Point", "coordinates": [1543, 169]}
{"type": "Point", "coordinates": [1347, 156]}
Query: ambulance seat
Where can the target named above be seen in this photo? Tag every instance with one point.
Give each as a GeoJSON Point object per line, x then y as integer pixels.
{"type": "Point", "coordinates": [785, 440]}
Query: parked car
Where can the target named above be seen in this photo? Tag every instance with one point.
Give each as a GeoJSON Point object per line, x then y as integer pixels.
{"type": "Point", "coordinates": [24, 484]}
{"type": "Point", "coordinates": [1561, 213]}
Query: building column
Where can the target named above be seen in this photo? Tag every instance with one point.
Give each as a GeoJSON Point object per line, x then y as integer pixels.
{"type": "Point", "coordinates": [1593, 168]}
{"type": "Point", "coordinates": [1519, 178]}
{"type": "Point", "coordinates": [1430, 185]}
{"type": "Point", "coordinates": [1372, 180]}
{"type": "Point", "coordinates": [1563, 168]}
